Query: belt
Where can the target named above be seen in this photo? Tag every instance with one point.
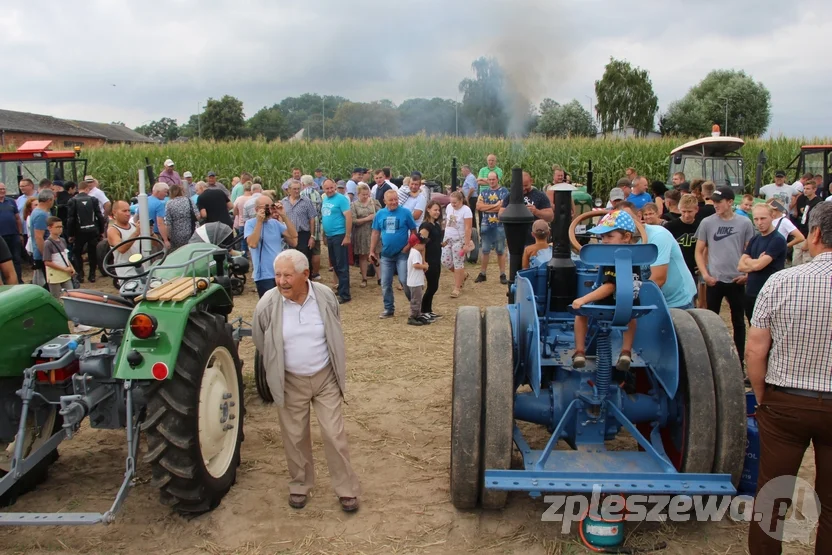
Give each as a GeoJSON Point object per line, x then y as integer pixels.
{"type": "Point", "coordinates": [826, 395]}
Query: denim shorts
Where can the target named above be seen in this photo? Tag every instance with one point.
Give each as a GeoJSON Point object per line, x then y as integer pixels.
{"type": "Point", "coordinates": [493, 236]}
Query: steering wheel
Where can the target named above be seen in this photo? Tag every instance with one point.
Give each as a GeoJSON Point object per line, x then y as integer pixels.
{"type": "Point", "coordinates": [576, 246]}
{"type": "Point", "coordinates": [136, 259]}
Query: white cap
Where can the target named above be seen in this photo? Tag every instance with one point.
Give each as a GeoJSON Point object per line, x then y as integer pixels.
{"type": "Point", "coordinates": [168, 163]}
{"type": "Point", "coordinates": [187, 174]}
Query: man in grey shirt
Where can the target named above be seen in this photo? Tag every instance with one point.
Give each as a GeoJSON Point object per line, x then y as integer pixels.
{"type": "Point", "coordinates": [720, 243]}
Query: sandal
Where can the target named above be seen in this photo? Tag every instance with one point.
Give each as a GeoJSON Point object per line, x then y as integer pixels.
{"type": "Point", "coordinates": [624, 361]}
{"type": "Point", "coordinates": [297, 501]}
{"type": "Point", "coordinates": [363, 283]}
{"type": "Point", "coordinates": [579, 359]}
{"type": "Point", "coordinates": [455, 293]}
{"type": "Point", "coordinates": [349, 504]}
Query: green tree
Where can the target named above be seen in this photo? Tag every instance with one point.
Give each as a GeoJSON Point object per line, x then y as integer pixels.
{"type": "Point", "coordinates": [304, 112]}
{"type": "Point", "coordinates": [163, 130]}
{"type": "Point", "coordinates": [569, 120]}
{"type": "Point", "coordinates": [366, 119]}
{"type": "Point", "coordinates": [223, 119]}
{"type": "Point", "coordinates": [268, 123]}
{"type": "Point", "coordinates": [625, 98]}
{"type": "Point", "coordinates": [190, 130]}
{"type": "Point", "coordinates": [483, 98]}
{"type": "Point", "coordinates": [748, 103]}
{"type": "Point", "coordinates": [437, 116]}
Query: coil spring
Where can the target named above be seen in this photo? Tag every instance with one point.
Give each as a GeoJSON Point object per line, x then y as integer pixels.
{"type": "Point", "coordinates": [603, 372]}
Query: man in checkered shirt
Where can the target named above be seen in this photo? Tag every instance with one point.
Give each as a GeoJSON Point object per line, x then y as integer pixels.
{"type": "Point", "coordinates": [789, 363]}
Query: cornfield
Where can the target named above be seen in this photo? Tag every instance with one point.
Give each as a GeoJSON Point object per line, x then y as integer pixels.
{"type": "Point", "coordinates": [116, 166]}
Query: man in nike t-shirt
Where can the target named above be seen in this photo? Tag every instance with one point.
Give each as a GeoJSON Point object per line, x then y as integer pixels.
{"type": "Point", "coordinates": [720, 242]}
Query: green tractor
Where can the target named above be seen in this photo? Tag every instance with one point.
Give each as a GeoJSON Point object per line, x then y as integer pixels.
{"type": "Point", "coordinates": [165, 365]}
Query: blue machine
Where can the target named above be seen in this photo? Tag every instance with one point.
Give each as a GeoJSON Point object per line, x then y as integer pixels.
{"type": "Point", "coordinates": [682, 400]}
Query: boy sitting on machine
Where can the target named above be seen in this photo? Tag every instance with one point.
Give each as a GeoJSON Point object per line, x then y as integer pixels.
{"type": "Point", "coordinates": [616, 228]}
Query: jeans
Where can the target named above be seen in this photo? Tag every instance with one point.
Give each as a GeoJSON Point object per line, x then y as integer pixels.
{"type": "Point", "coordinates": [432, 278]}
{"type": "Point", "coordinates": [685, 306]}
{"type": "Point", "coordinates": [243, 245]}
{"type": "Point", "coordinates": [264, 286]}
{"type": "Point", "coordinates": [338, 255]}
{"type": "Point", "coordinates": [90, 240]}
{"type": "Point", "coordinates": [303, 245]}
{"type": "Point", "coordinates": [13, 241]}
{"type": "Point", "coordinates": [389, 266]}
{"type": "Point", "coordinates": [734, 293]}
{"type": "Point", "coordinates": [493, 237]}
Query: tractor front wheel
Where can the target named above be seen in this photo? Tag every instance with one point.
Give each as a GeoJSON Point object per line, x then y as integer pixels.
{"type": "Point", "coordinates": [260, 379]}
{"type": "Point", "coordinates": [194, 421]}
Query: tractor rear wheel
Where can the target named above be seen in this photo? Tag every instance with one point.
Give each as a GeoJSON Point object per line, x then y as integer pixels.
{"type": "Point", "coordinates": [466, 408]}
{"type": "Point", "coordinates": [689, 440]}
{"type": "Point", "coordinates": [498, 406]}
{"type": "Point", "coordinates": [41, 424]}
{"type": "Point", "coordinates": [194, 422]}
{"type": "Point", "coordinates": [260, 379]}
{"type": "Point", "coordinates": [729, 453]}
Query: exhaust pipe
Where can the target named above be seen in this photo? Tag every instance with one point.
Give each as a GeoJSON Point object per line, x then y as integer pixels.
{"type": "Point", "coordinates": [517, 222]}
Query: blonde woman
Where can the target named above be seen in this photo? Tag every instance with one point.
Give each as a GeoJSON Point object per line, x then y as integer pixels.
{"type": "Point", "coordinates": [363, 212]}
{"type": "Point", "coordinates": [458, 221]}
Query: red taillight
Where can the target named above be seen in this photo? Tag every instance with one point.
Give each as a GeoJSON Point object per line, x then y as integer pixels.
{"type": "Point", "coordinates": [143, 325]}
{"type": "Point", "coordinates": [159, 371]}
{"type": "Point", "coordinates": [56, 376]}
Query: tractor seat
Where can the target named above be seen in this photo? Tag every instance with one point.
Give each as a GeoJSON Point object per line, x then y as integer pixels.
{"type": "Point", "coordinates": [98, 297]}
{"type": "Point", "coordinates": [605, 313]}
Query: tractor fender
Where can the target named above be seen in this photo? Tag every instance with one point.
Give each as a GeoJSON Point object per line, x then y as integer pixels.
{"type": "Point", "coordinates": [163, 345]}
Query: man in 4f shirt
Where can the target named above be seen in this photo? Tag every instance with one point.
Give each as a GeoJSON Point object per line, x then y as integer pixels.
{"type": "Point", "coordinates": [492, 234]}
{"type": "Point", "coordinates": [392, 225]}
{"type": "Point", "coordinates": [721, 241]}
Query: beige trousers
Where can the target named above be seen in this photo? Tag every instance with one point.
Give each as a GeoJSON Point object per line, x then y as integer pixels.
{"type": "Point", "coordinates": [321, 391]}
{"type": "Point", "coordinates": [799, 256]}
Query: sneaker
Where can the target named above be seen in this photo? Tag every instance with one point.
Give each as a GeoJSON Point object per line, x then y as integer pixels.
{"type": "Point", "coordinates": [416, 322]}
{"type": "Point", "coordinates": [342, 300]}
{"type": "Point", "coordinates": [480, 278]}
{"type": "Point", "coordinates": [624, 361]}
{"type": "Point", "coordinates": [426, 318]}
{"type": "Point", "coordinates": [579, 359]}
{"type": "Point", "coordinates": [503, 279]}
{"type": "Point", "coordinates": [434, 316]}
{"type": "Point", "coordinates": [385, 314]}
{"type": "Point", "coordinates": [315, 277]}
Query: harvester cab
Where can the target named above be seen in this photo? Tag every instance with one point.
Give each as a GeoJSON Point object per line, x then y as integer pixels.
{"type": "Point", "coordinates": [715, 158]}
{"type": "Point", "coordinates": [163, 363]}
{"type": "Point", "coordinates": [672, 424]}
{"type": "Point", "coordinates": [815, 159]}
{"type": "Point", "coordinates": [34, 160]}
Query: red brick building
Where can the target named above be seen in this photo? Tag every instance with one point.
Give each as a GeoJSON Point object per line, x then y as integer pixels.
{"type": "Point", "coordinates": [18, 127]}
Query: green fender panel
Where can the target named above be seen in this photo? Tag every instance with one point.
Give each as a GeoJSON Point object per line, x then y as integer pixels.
{"type": "Point", "coordinates": [171, 317]}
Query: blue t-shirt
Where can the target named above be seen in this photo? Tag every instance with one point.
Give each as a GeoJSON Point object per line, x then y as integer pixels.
{"type": "Point", "coordinates": [774, 245]}
{"type": "Point", "coordinates": [155, 209]}
{"type": "Point", "coordinates": [37, 221]}
{"type": "Point", "coordinates": [332, 214]}
{"type": "Point", "coordinates": [490, 196]}
{"type": "Point", "coordinates": [270, 245]}
{"type": "Point", "coordinates": [8, 217]}
{"type": "Point", "coordinates": [640, 200]}
{"type": "Point", "coordinates": [394, 228]}
{"type": "Point", "coordinates": [679, 288]}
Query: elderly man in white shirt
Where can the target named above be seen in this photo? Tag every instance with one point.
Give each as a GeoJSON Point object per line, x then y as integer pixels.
{"type": "Point", "coordinates": [297, 331]}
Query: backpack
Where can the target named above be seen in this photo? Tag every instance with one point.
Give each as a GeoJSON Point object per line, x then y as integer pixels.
{"type": "Point", "coordinates": [86, 214]}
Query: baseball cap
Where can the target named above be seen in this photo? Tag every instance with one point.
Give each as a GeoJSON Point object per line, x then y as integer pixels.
{"type": "Point", "coordinates": [58, 182]}
{"type": "Point", "coordinates": [624, 182]}
{"type": "Point", "coordinates": [617, 219]}
{"type": "Point", "coordinates": [319, 170]}
{"type": "Point", "coordinates": [779, 173]}
{"type": "Point", "coordinates": [684, 186]}
{"type": "Point", "coordinates": [617, 194]}
{"type": "Point", "coordinates": [212, 174]}
{"type": "Point", "coordinates": [187, 174]}
{"type": "Point", "coordinates": [723, 193]}
{"type": "Point", "coordinates": [540, 226]}
{"type": "Point", "coordinates": [416, 175]}
{"type": "Point", "coordinates": [341, 184]}
{"type": "Point", "coordinates": [777, 205]}
{"type": "Point", "coordinates": [358, 169]}
{"type": "Point", "coordinates": [168, 163]}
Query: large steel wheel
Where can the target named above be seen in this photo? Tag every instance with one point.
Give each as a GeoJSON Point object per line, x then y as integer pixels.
{"type": "Point", "coordinates": [194, 421]}
{"type": "Point", "coordinates": [41, 424]}
{"type": "Point", "coordinates": [498, 408]}
{"type": "Point", "coordinates": [260, 381]}
{"type": "Point", "coordinates": [466, 408]}
{"type": "Point", "coordinates": [730, 430]}
{"type": "Point", "coordinates": [688, 440]}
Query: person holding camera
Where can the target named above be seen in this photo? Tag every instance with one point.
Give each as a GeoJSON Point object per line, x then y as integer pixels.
{"type": "Point", "coordinates": [264, 234]}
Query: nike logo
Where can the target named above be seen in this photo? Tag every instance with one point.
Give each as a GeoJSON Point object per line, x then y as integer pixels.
{"type": "Point", "coordinates": [723, 232]}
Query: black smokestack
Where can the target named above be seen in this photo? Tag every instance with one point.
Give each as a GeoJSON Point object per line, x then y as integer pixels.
{"type": "Point", "coordinates": [517, 221]}
{"type": "Point", "coordinates": [563, 283]}
{"type": "Point", "coordinates": [454, 177]}
{"type": "Point", "coordinates": [589, 179]}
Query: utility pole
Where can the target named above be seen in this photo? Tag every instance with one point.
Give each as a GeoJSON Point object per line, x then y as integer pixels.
{"type": "Point", "coordinates": [591, 102]}
{"type": "Point", "coordinates": [725, 98]}
{"type": "Point", "coordinates": [456, 113]}
{"type": "Point", "coordinates": [199, 119]}
{"type": "Point", "coordinates": [323, 118]}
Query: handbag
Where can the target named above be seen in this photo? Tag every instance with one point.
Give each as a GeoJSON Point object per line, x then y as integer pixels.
{"type": "Point", "coordinates": [74, 278]}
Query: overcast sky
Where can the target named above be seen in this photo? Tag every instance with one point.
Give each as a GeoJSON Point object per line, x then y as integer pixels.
{"type": "Point", "coordinates": [120, 60]}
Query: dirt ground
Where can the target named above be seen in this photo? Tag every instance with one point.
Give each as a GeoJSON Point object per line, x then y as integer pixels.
{"type": "Point", "coordinates": [398, 419]}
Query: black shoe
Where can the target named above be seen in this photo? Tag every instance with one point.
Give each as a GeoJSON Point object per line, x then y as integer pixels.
{"type": "Point", "coordinates": [342, 300]}
{"type": "Point", "coordinates": [92, 279]}
{"type": "Point", "coordinates": [415, 322]}
{"type": "Point", "coordinates": [425, 318]}
{"type": "Point", "coordinates": [80, 279]}
{"type": "Point", "coordinates": [384, 315]}
{"type": "Point", "coordinates": [480, 278]}
{"type": "Point", "coordinates": [503, 279]}
{"type": "Point", "coordinates": [434, 316]}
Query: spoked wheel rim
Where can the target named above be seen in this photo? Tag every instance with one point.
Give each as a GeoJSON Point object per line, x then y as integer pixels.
{"type": "Point", "coordinates": [219, 412]}
{"type": "Point", "coordinates": [36, 435]}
